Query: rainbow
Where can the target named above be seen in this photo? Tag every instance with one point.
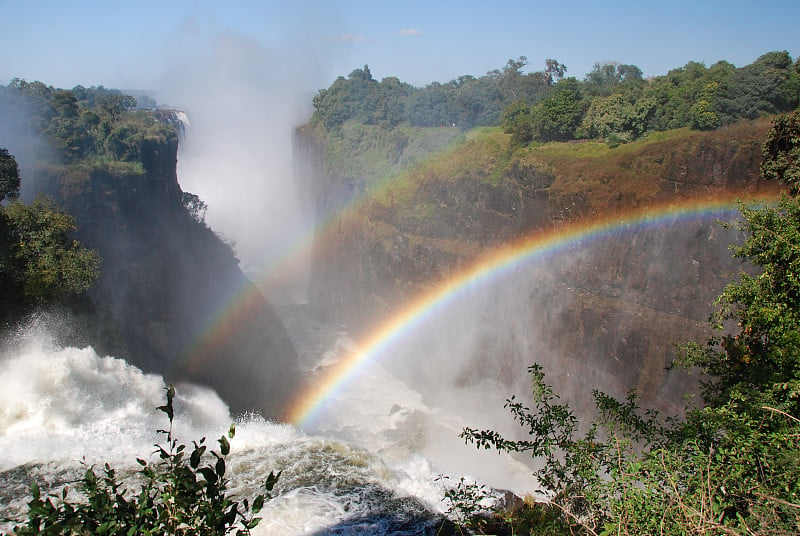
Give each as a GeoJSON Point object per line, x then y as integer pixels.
{"type": "Point", "coordinates": [490, 267]}
{"type": "Point", "coordinates": [292, 255]}
{"type": "Point", "coordinates": [245, 301]}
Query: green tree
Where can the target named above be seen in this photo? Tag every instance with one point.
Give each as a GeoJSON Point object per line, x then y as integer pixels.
{"type": "Point", "coordinates": [614, 118]}
{"type": "Point", "coordinates": [428, 106]}
{"type": "Point", "coordinates": [703, 114]}
{"type": "Point", "coordinates": [517, 120]}
{"type": "Point", "coordinates": [45, 263]}
{"type": "Point", "coordinates": [781, 150]}
{"type": "Point", "coordinates": [557, 116]}
{"type": "Point", "coordinates": [9, 176]}
{"type": "Point", "coordinates": [605, 78]}
{"type": "Point", "coordinates": [554, 71]}
{"type": "Point", "coordinates": [769, 85]}
{"type": "Point", "coordinates": [195, 207]}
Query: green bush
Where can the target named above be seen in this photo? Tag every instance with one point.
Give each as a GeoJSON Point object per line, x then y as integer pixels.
{"type": "Point", "coordinates": [181, 494]}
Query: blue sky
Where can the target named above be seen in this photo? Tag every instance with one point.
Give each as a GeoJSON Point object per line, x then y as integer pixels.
{"type": "Point", "coordinates": [133, 44]}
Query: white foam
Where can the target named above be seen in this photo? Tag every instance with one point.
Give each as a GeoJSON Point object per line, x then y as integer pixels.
{"type": "Point", "coordinates": [71, 403]}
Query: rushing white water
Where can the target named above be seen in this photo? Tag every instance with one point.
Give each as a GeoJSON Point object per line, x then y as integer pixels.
{"type": "Point", "coordinates": [363, 473]}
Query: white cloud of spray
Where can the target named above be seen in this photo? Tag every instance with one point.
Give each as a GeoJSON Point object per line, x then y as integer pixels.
{"type": "Point", "coordinates": [243, 99]}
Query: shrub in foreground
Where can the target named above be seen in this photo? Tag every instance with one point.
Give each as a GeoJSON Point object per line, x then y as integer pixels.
{"type": "Point", "coordinates": [183, 493]}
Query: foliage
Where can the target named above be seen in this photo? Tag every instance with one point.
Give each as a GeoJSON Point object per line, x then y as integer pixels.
{"type": "Point", "coordinates": [49, 264]}
{"type": "Point", "coordinates": [759, 363]}
{"type": "Point", "coordinates": [468, 503]}
{"type": "Point", "coordinates": [39, 262]}
{"type": "Point", "coordinates": [9, 176]}
{"type": "Point", "coordinates": [517, 120]}
{"type": "Point", "coordinates": [619, 104]}
{"type": "Point", "coordinates": [557, 116]}
{"type": "Point", "coordinates": [769, 85]}
{"type": "Point", "coordinates": [614, 118]}
{"type": "Point", "coordinates": [182, 493]}
{"type": "Point", "coordinates": [195, 207]}
{"type": "Point", "coordinates": [574, 464]}
{"type": "Point", "coordinates": [722, 471]}
{"type": "Point", "coordinates": [466, 102]}
{"type": "Point", "coordinates": [85, 124]}
{"type": "Point", "coordinates": [606, 78]}
{"type": "Point", "coordinates": [781, 150]}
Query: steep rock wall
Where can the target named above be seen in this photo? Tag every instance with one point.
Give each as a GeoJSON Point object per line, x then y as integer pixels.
{"type": "Point", "coordinates": [611, 311]}
{"type": "Point", "coordinates": [165, 281]}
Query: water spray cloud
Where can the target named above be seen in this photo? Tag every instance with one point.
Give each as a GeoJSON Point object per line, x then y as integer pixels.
{"type": "Point", "coordinates": [491, 267]}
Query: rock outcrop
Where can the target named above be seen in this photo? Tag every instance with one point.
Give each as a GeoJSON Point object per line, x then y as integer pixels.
{"type": "Point", "coordinates": [171, 298]}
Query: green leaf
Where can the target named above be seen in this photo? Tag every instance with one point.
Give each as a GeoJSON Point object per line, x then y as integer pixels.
{"type": "Point", "coordinates": [272, 479]}
{"type": "Point", "coordinates": [258, 504]}
{"type": "Point", "coordinates": [253, 523]}
{"type": "Point", "coordinates": [224, 446]}
{"type": "Point", "coordinates": [196, 456]}
{"type": "Point", "coordinates": [209, 474]}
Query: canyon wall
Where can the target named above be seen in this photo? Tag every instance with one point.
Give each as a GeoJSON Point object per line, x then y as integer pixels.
{"type": "Point", "coordinates": [605, 313]}
{"type": "Point", "coordinates": [167, 283]}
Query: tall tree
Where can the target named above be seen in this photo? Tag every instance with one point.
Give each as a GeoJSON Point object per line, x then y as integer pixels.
{"type": "Point", "coordinates": [557, 116]}
{"type": "Point", "coordinates": [554, 71]}
{"type": "Point", "coordinates": [781, 150]}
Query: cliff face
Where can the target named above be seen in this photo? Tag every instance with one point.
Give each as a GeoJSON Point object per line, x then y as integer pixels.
{"type": "Point", "coordinates": [166, 281]}
{"type": "Point", "coordinates": [606, 313]}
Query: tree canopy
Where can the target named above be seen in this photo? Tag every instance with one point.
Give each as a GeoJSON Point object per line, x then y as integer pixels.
{"type": "Point", "coordinates": [92, 126]}
{"type": "Point", "coordinates": [39, 262]}
{"type": "Point", "coordinates": [612, 102]}
{"type": "Point", "coordinates": [781, 151]}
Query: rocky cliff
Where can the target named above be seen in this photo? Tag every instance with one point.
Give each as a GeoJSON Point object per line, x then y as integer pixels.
{"type": "Point", "coordinates": [167, 281]}
{"type": "Point", "coordinates": [605, 314]}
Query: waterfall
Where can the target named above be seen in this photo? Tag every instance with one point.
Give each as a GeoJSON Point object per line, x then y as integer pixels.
{"type": "Point", "coordinates": [63, 406]}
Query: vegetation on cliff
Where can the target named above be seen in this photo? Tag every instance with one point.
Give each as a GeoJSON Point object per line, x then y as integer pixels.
{"type": "Point", "coordinates": [401, 158]}
{"type": "Point", "coordinates": [612, 102]}
{"type": "Point", "coordinates": [39, 263]}
{"type": "Point", "coordinates": [782, 151]}
{"type": "Point", "coordinates": [90, 128]}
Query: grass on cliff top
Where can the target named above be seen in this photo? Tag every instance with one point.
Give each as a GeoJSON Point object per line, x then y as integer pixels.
{"type": "Point", "coordinates": [558, 151]}
{"type": "Point", "coordinates": [485, 154]}
{"type": "Point", "coordinates": [585, 168]}
{"type": "Point", "coordinates": [373, 154]}
{"type": "Point", "coordinates": [478, 154]}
